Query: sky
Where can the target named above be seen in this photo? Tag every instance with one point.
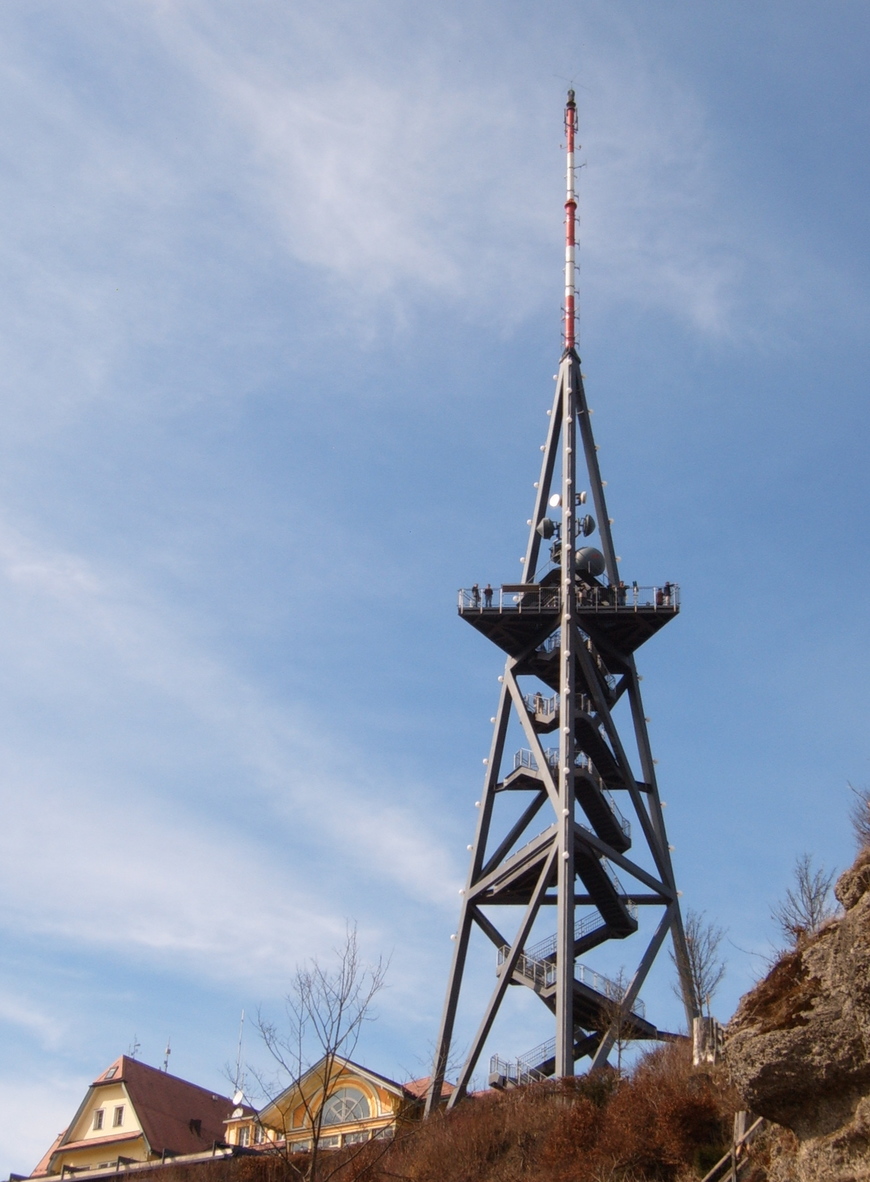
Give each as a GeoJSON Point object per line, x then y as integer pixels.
{"type": "Point", "coordinates": [280, 290]}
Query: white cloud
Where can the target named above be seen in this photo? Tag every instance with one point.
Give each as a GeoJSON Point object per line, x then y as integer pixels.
{"type": "Point", "coordinates": [22, 1013]}
{"type": "Point", "coordinates": [30, 1109]}
{"type": "Point", "coordinates": [391, 174]}
{"type": "Point", "coordinates": [110, 843]}
{"type": "Point", "coordinates": [405, 168]}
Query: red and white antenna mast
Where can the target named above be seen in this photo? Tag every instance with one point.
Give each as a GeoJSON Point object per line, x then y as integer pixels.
{"type": "Point", "coordinates": [570, 217]}
{"type": "Point", "coordinates": [568, 627]}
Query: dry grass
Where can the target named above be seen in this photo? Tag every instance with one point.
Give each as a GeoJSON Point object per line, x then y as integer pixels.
{"type": "Point", "coordinates": [782, 1001]}
{"type": "Point", "coordinates": [664, 1123]}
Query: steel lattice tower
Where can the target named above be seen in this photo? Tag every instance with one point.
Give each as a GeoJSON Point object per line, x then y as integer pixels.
{"type": "Point", "coordinates": [570, 627]}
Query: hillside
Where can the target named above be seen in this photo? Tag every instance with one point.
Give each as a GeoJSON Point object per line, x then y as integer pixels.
{"type": "Point", "coordinates": [797, 1053]}
{"type": "Point", "coordinates": [798, 1047]}
{"type": "Point", "coordinates": [664, 1121]}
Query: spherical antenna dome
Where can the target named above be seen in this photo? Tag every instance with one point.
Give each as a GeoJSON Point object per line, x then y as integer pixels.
{"type": "Point", "coordinates": [590, 561]}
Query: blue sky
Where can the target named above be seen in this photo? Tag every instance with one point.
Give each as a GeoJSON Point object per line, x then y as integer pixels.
{"type": "Point", "coordinates": [280, 309]}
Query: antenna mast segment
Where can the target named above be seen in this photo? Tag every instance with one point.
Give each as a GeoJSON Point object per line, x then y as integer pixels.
{"type": "Point", "coordinates": [239, 1080]}
{"type": "Point", "coordinates": [550, 833]}
{"type": "Point", "coordinates": [570, 216]}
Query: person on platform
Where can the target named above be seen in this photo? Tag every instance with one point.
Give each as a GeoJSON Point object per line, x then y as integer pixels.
{"type": "Point", "coordinates": [487, 596]}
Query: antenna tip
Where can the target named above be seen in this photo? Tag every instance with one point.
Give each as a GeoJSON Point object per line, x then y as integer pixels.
{"type": "Point", "coordinates": [570, 98]}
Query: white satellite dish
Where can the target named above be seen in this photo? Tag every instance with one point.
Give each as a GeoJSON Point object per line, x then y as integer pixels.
{"type": "Point", "coordinates": [238, 1096]}
{"type": "Point", "coordinates": [555, 501]}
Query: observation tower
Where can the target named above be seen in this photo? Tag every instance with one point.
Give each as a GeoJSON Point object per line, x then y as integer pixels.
{"type": "Point", "coordinates": [570, 831]}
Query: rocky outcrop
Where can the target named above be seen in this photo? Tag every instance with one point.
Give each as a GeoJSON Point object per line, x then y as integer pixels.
{"type": "Point", "coordinates": [798, 1047]}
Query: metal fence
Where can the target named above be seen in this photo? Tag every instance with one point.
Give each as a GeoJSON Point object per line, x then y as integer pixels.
{"type": "Point", "coordinates": [525, 759]}
{"type": "Point", "coordinates": [538, 704]}
{"type": "Point", "coordinates": [543, 974]}
{"type": "Point", "coordinates": [516, 1074]}
{"type": "Point", "coordinates": [537, 599]}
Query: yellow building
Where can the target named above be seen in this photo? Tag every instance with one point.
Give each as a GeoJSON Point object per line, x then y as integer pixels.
{"type": "Point", "coordinates": [134, 1113]}
{"type": "Point", "coordinates": [350, 1103]}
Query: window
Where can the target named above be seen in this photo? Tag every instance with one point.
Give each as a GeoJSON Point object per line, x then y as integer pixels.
{"type": "Point", "coordinates": [118, 1118]}
{"type": "Point", "coordinates": [98, 1119]}
{"type": "Point", "coordinates": [245, 1135]}
{"type": "Point", "coordinates": [259, 1135]}
{"type": "Point", "coordinates": [356, 1138]}
{"type": "Point", "coordinates": [345, 1105]}
{"type": "Point", "coordinates": [111, 1073]}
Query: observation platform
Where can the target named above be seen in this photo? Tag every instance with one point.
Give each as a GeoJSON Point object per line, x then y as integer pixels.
{"type": "Point", "coordinates": [519, 615]}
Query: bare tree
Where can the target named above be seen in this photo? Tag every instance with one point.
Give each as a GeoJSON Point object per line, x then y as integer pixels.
{"type": "Point", "coordinates": [325, 1012]}
{"type": "Point", "coordinates": [859, 815]}
{"type": "Point", "coordinates": [616, 1015]}
{"type": "Point", "coordinates": [706, 966]}
{"type": "Point", "coordinates": [807, 904]}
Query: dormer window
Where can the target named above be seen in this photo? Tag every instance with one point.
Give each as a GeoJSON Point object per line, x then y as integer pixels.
{"type": "Point", "coordinates": [98, 1119]}
{"type": "Point", "coordinates": [111, 1073]}
{"type": "Point", "coordinates": [118, 1118]}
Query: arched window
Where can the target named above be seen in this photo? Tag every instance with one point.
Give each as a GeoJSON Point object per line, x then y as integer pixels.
{"type": "Point", "coordinates": [345, 1105]}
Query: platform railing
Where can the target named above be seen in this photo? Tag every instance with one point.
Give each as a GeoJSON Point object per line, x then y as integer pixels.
{"type": "Point", "coordinates": [547, 947]}
{"type": "Point", "coordinates": [612, 875]}
{"type": "Point", "coordinates": [524, 758]}
{"type": "Point", "coordinates": [543, 974]}
{"type": "Point", "coordinates": [621, 819]}
{"type": "Point", "coordinates": [538, 704]}
{"type": "Point", "coordinates": [537, 598]}
{"type": "Point", "coordinates": [534, 599]}
{"type": "Point", "coordinates": [517, 1073]}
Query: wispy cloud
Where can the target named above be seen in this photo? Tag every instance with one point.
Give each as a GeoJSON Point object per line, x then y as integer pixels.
{"type": "Point", "coordinates": [117, 846]}
{"type": "Point", "coordinates": [391, 174]}
{"type": "Point", "coordinates": [22, 1013]}
{"type": "Point", "coordinates": [385, 155]}
{"type": "Point", "coordinates": [34, 1112]}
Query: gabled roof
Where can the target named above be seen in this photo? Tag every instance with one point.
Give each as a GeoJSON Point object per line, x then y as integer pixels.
{"type": "Point", "coordinates": [414, 1089]}
{"type": "Point", "coordinates": [168, 1108]}
{"type": "Point", "coordinates": [339, 1066]}
{"type": "Point", "coordinates": [43, 1163]}
{"type": "Point", "coordinates": [176, 1116]}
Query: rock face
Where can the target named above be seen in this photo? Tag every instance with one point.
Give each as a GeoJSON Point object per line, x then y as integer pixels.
{"type": "Point", "coordinates": [798, 1047]}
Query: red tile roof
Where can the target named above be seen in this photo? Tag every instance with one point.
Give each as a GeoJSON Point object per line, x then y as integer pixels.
{"type": "Point", "coordinates": [42, 1165]}
{"type": "Point", "coordinates": [419, 1087]}
{"type": "Point", "coordinates": [175, 1115]}
{"type": "Point", "coordinates": [109, 1139]}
